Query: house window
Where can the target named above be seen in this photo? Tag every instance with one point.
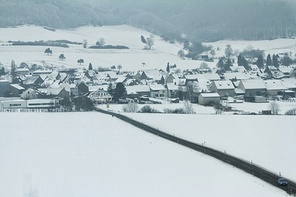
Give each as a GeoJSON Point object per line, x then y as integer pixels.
{"type": "Point", "coordinates": [14, 105]}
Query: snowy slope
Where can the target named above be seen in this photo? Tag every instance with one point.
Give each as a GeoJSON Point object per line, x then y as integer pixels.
{"type": "Point", "coordinates": [267, 141]}
{"type": "Point", "coordinates": [59, 154]}
{"type": "Point", "coordinates": [131, 59]}
{"type": "Point", "coordinates": [269, 46]}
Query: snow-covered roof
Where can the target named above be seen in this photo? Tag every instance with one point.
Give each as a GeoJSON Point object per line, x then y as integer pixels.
{"type": "Point", "coordinates": [137, 88]}
{"type": "Point", "coordinates": [157, 87]}
{"type": "Point", "coordinates": [236, 75]}
{"type": "Point", "coordinates": [209, 76]}
{"type": "Point", "coordinates": [274, 85]}
{"type": "Point", "coordinates": [286, 69]}
{"type": "Point", "coordinates": [120, 79]}
{"type": "Point", "coordinates": [17, 86]}
{"type": "Point", "coordinates": [223, 85]}
{"type": "Point", "coordinates": [210, 95]}
{"type": "Point", "coordinates": [191, 77]}
{"type": "Point", "coordinates": [289, 83]}
{"type": "Point", "coordinates": [51, 91]}
{"type": "Point", "coordinates": [172, 86]}
{"type": "Point", "coordinates": [253, 84]}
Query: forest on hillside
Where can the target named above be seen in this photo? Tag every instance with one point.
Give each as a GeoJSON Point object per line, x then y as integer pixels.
{"type": "Point", "coordinates": [195, 20]}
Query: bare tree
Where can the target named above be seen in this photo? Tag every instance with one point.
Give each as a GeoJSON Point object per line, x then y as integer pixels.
{"type": "Point", "coordinates": [274, 107]}
{"type": "Point", "coordinates": [192, 89]}
{"type": "Point", "coordinates": [188, 107]}
{"type": "Point", "coordinates": [101, 42]}
{"type": "Point", "coordinates": [150, 42]}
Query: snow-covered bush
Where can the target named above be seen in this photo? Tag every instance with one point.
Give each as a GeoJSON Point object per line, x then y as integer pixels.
{"type": "Point", "coordinates": [131, 107]}
{"type": "Point", "coordinates": [148, 109]}
{"type": "Point", "coordinates": [291, 112]}
{"type": "Point", "coordinates": [174, 111]}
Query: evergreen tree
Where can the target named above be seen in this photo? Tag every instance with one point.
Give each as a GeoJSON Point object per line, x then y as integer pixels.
{"type": "Point", "coordinates": [143, 39]}
{"type": "Point", "coordinates": [260, 62]}
{"type": "Point", "coordinates": [168, 67]}
{"type": "Point", "coordinates": [13, 69]}
{"type": "Point", "coordinates": [286, 61]}
{"type": "Point", "coordinates": [246, 64]}
{"type": "Point", "coordinates": [275, 61]}
{"type": "Point", "coordinates": [239, 60]}
{"type": "Point", "coordinates": [48, 51]}
{"type": "Point", "coordinates": [228, 64]}
{"type": "Point", "coordinates": [268, 60]}
{"type": "Point", "coordinates": [220, 63]}
{"type": "Point", "coordinates": [62, 57]}
{"type": "Point", "coordinates": [90, 67]}
{"type": "Point", "coordinates": [110, 89]}
{"type": "Point", "coordinates": [80, 61]}
{"type": "Point", "coordinates": [2, 71]}
{"type": "Point", "coordinates": [119, 92]}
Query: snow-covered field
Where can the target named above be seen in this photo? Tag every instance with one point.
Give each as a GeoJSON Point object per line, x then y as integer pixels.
{"type": "Point", "coordinates": [246, 107]}
{"type": "Point", "coordinates": [131, 59]}
{"type": "Point", "coordinates": [268, 141]}
{"type": "Point", "coordinates": [63, 154]}
{"type": "Point", "coordinates": [90, 154]}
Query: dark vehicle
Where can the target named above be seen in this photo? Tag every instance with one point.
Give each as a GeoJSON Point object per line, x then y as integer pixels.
{"type": "Point", "coordinates": [282, 182]}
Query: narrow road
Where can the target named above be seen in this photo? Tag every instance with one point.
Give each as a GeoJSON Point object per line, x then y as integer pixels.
{"type": "Point", "coordinates": [248, 167]}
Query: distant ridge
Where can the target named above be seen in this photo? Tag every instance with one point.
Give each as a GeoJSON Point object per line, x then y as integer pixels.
{"type": "Point", "coordinates": [195, 20]}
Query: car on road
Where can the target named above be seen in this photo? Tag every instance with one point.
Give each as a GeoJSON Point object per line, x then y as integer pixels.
{"type": "Point", "coordinates": [282, 182]}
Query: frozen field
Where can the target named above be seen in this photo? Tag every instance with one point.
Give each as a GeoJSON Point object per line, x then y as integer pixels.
{"type": "Point", "coordinates": [131, 59]}
{"type": "Point", "coordinates": [268, 141]}
{"type": "Point", "coordinates": [91, 154]}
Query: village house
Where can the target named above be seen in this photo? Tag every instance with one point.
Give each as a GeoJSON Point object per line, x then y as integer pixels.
{"type": "Point", "coordinates": [138, 91]}
{"type": "Point", "coordinates": [208, 98]}
{"type": "Point", "coordinates": [190, 78]}
{"type": "Point", "coordinates": [172, 90]}
{"type": "Point", "coordinates": [171, 78]}
{"type": "Point", "coordinates": [53, 93]}
{"type": "Point", "coordinates": [275, 87]}
{"type": "Point", "coordinates": [158, 91]}
{"type": "Point", "coordinates": [29, 94]}
{"type": "Point", "coordinates": [23, 71]}
{"type": "Point", "coordinates": [16, 90]}
{"type": "Point", "coordinates": [223, 88]}
{"type": "Point", "coordinates": [252, 88]}
{"type": "Point", "coordinates": [32, 81]}
{"type": "Point", "coordinates": [152, 75]}
{"type": "Point", "coordinates": [290, 84]}
{"type": "Point", "coordinates": [4, 88]}
{"type": "Point", "coordinates": [100, 96]}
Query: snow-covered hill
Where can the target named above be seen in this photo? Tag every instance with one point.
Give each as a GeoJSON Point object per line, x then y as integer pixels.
{"type": "Point", "coordinates": [131, 59]}
{"type": "Point", "coordinates": [61, 154]}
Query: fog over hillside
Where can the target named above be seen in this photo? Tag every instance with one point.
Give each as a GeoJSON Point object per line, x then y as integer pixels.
{"type": "Point", "coordinates": [199, 20]}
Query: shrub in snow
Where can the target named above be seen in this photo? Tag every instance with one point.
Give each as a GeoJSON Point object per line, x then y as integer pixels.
{"type": "Point", "coordinates": [291, 112]}
{"type": "Point", "coordinates": [148, 109]}
{"type": "Point", "coordinates": [131, 107]}
{"type": "Point", "coordinates": [174, 111]}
